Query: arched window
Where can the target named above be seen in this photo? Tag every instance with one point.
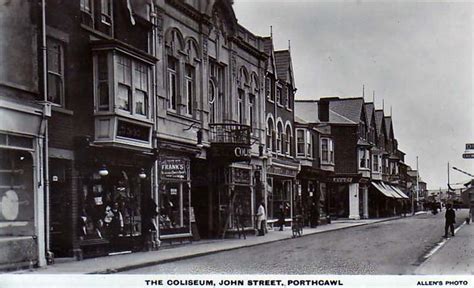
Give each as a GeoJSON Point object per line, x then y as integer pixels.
{"type": "Point", "coordinates": [288, 140]}
{"type": "Point", "coordinates": [279, 137]}
{"type": "Point", "coordinates": [270, 134]}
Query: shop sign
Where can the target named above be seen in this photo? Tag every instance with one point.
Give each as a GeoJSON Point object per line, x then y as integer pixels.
{"type": "Point", "coordinates": [282, 171]}
{"type": "Point", "coordinates": [344, 180]}
{"type": "Point", "coordinates": [231, 152]}
{"type": "Point", "coordinates": [133, 131]}
{"type": "Point", "coordinates": [173, 168]}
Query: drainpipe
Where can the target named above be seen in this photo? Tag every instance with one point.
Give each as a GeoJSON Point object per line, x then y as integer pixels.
{"type": "Point", "coordinates": [43, 225]}
{"type": "Point", "coordinates": [155, 190]}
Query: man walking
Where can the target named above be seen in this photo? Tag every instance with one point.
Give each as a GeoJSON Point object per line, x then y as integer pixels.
{"type": "Point", "coordinates": [450, 220]}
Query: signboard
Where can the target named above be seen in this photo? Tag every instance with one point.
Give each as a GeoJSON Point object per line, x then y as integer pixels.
{"type": "Point", "coordinates": [468, 155]}
{"type": "Point", "coordinates": [133, 131]}
{"type": "Point", "coordinates": [173, 168]}
{"type": "Point", "coordinates": [276, 170]}
{"type": "Point", "coordinates": [469, 146]}
{"type": "Point", "coordinates": [231, 152]}
{"type": "Point", "coordinates": [344, 179]}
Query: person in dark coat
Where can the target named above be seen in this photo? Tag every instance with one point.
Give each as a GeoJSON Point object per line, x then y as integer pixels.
{"type": "Point", "coordinates": [450, 220]}
{"type": "Point", "coordinates": [281, 217]}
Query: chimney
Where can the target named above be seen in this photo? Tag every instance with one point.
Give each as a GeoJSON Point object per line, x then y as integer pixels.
{"type": "Point", "coordinates": [323, 110]}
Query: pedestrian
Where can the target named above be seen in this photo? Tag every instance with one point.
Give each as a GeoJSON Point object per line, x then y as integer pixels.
{"type": "Point", "coordinates": [261, 217]}
{"type": "Point", "coordinates": [281, 217]}
{"type": "Point", "coordinates": [450, 220]}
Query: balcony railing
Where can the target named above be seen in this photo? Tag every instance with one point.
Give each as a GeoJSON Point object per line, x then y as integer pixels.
{"type": "Point", "coordinates": [230, 133]}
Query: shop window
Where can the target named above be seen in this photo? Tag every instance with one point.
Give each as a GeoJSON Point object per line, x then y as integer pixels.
{"type": "Point", "coordinates": [55, 63]}
{"type": "Point", "coordinates": [174, 208]}
{"type": "Point", "coordinates": [16, 193]}
{"type": "Point", "coordinates": [111, 206]}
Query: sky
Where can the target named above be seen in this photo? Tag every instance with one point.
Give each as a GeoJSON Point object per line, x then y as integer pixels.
{"type": "Point", "coordinates": [416, 56]}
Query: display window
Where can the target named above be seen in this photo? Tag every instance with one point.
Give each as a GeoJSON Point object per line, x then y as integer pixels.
{"type": "Point", "coordinates": [174, 208]}
{"type": "Point", "coordinates": [111, 205]}
{"type": "Point", "coordinates": [174, 196]}
{"type": "Point", "coordinates": [16, 193]}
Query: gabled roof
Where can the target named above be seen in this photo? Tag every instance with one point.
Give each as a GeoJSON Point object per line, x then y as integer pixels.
{"type": "Point", "coordinates": [350, 108]}
{"type": "Point", "coordinates": [268, 49]}
{"type": "Point", "coordinates": [284, 66]}
{"type": "Point", "coordinates": [388, 126]}
{"type": "Point", "coordinates": [379, 121]}
{"type": "Point", "coordinates": [369, 111]}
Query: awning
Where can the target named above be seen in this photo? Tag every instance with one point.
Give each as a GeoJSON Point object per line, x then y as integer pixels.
{"type": "Point", "coordinates": [400, 192]}
{"type": "Point", "coordinates": [390, 190]}
{"type": "Point", "coordinates": [382, 189]}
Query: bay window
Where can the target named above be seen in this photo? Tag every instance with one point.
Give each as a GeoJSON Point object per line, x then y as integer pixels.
{"type": "Point", "coordinates": [122, 84]}
{"type": "Point", "coordinates": [375, 163]}
{"type": "Point", "coordinates": [106, 11]}
{"type": "Point", "coordinates": [309, 144]}
{"type": "Point", "coordinates": [364, 158]}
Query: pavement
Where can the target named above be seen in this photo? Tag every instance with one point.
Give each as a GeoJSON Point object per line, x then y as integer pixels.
{"type": "Point", "coordinates": [453, 256]}
{"type": "Point", "coordinates": [126, 262]}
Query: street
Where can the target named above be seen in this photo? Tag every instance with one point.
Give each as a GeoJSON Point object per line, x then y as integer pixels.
{"type": "Point", "coordinates": [394, 247]}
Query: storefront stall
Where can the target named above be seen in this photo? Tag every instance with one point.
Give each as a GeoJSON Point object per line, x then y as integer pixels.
{"type": "Point", "coordinates": [174, 197]}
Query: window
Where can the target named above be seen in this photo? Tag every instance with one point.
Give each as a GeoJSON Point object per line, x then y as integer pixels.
{"type": "Point", "coordinates": [55, 63]}
{"type": "Point", "coordinates": [217, 76]}
{"type": "Point", "coordinates": [324, 150]}
{"type": "Point", "coordinates": [268, 91]}
{"type": "Point", "coordinates": [270, 133]}
{"type": "Point", "coordinates": [122, 81]}
{"type": "Point", "coordinates": [172, 83]}
{"type": "Point", "coordinates": [106, 11]}
{"type": "Point", "coordinates": [240, 106]}
{"type": "Point", "coordinates": [375, 163]}
{"type": "Point", "coordinates": [300, 142]}
{"type": "Point", "coordinates": [251, 111]}
{"type": "Point", "coordinates": [86, 13]}
{"type": "Point", "coordinates": [279, 137]}
{"type": "Point", "coordinates": [189, 80]}
{"type": "Point", "coordinates": [212, 102]}
{"type": "Point", "coordinates": [279, 96]}
{"type": "Point", "coordinates": [103, 81]}
{"type": "Point", "coordinates": [288, 140]}
{"type": "Point", "coordinates": [141, 88]}
{"type": "Point", "coordinates": [309, 144]}
{"type": "Point", "coordinates": [364, 158]}
{"type": "Point", "coordinates": [124, 69]}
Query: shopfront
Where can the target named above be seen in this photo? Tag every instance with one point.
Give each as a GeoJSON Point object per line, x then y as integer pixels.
{"type": "Point", "coordinates": [22, 235]}
{"type": "Point", "coordinates": [174, 197]}
{"type": "Point", "coordinates": [313, 187]}
{"type": "Point", "coordinates": [281, 185]}
{"type": "Point", "coordinates": [344, 199]}
{"type": "Point", "coordinates": [115, 207]}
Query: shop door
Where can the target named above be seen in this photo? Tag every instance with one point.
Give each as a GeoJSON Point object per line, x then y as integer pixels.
{"type": "Point", "coordinates": [60, 219]}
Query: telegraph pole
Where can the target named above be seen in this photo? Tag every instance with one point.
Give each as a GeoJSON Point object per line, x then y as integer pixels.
{"type": "Point", "coordinates": [417, 181]}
